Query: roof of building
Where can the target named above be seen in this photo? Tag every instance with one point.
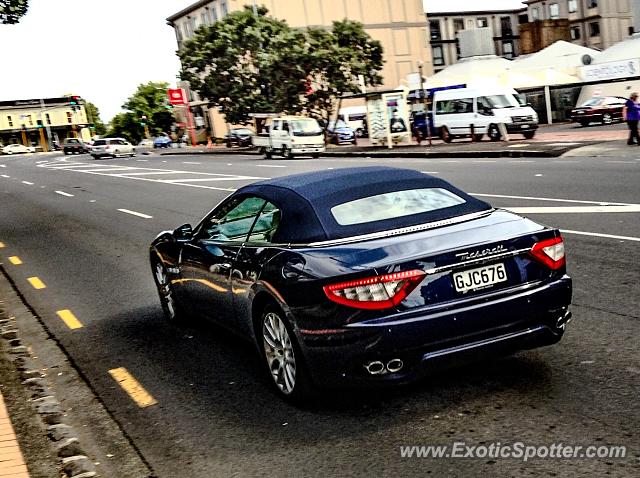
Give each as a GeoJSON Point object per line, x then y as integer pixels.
{"type": "Point", "coordinates": [625, 50]}
{"type": "Point", "coordinates": [462, 8]}
{"type": "Point", "coordinates": [305, 201]}
{"type": "Point", "coordinates": [186, 11]}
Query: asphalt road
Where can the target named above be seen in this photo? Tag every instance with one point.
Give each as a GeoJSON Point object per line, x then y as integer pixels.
{"type": "Point", "coordinates": [83, 228]}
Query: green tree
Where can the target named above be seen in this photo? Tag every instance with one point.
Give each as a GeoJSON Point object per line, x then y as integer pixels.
{"type": "Point", "coordinates": [150, 100]}
{"type": "Point", "coordinates": [11, 11]}
{"type": "Point", "coordinates": [254, 63]}
{"type": "Point", "coordinates": [93, 116]}
{"type": "Point", "coordinates": [126, 125]}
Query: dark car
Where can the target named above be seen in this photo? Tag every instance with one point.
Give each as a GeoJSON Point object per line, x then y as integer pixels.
{"type": "Point", "coordinates": [604, 110]}
{"type": "Point", "coordinates": [362, 276]}
{"type": "Point", "coordinates": [73, 146]}
{"type": "Point", "coordinates": [238, 137]}
{"type": "Point", "coordinates": [340, 133]}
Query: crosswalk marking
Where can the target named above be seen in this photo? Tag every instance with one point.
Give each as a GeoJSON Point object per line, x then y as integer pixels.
{"type": "Point", "coordinates": [175, 177]}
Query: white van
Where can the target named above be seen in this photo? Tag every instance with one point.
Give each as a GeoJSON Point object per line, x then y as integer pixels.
{"type": "Point", "coordinates": [454, 111]}
{"type": "Point", "coordinates": [356, 118]}
{"type": "Point", "coordinates": [290, 136]}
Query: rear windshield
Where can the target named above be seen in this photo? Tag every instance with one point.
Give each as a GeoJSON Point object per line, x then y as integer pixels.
{"type": "Point", "coordinates": [100, 142]}
{"type": "Point", "coordinates": [394, 205]}
{"type": "Point", "coordinates": [72, 141]}
{"type": "Point", "coordinates": [592, 102]}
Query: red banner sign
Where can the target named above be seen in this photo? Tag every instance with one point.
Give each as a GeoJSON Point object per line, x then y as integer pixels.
{"type": "Point", "coordinates": [177, 96]}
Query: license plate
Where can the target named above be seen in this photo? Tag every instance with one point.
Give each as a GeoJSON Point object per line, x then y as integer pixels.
{"type": "Point", "coordinates": [479, 278]}
{"type": "Point", "coordinates": [525, 126]}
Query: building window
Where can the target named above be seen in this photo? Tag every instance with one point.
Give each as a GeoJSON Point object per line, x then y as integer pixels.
{"type": "Point", "coordinates": [573, 6]}
{"type": "Point", "coordinates": [48, 118]}
{"type": "Point", "coordinates": [10, 120]}
{"type": "Point", "coordinates": [594, 29]}
{"type": "Point", "coordinates": [507, 49]}
{"type": "Point", "coordinates": [203, 18]}
{"type": "Point", "coordinates": [30, 119]}
{"type": "Point", "coordinates": [224, 9]}
{"type": "Point", "coordinates": [535, 14]}
{"type": "Point", "coordinates": [438, 55]}
{"type": "Point", "coordinates": [592, 4]}
{"type": "Point", "coordinates": [69, 117]}
{"type": "Point", "coordinates": [193, 24]}
{"type": "Point", "coordinates": [505, 26]}
{"type": "Point", "coordinates": [482, 22]}
{"type": "Point", "coordinates": [434, 27]}
{"type": "Point", "coordinates": [575, 33]}
{"type": "Point", "coordinates": [188, 32]}
{"type": "Point", "coordinates": [554, 11]}
{"type": "Point", "coordinates": [458, 24]}
{"type": "Point", "coordinates": [214, 14]}
{"type": "Point", "coordinates": [178, 33]}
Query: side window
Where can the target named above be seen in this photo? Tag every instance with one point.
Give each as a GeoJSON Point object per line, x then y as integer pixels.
{"type": "Point", "coordinates": [276, 125]}
{"type": "Point", "coordinates": [266, 225]}
{"type": "Point", "coordinates": [233, 221]}
{"type": "Point", "coordinates": [285, 126]}
{"type": "Point", "coordinates": [463, 105]}
{"type": "Point", "coordinates": [484, 107]}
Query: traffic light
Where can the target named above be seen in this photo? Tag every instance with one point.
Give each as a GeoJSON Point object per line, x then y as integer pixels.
{"type": "Point", "coordinates": [74, 102]}
{"type": "Point", "coordinates": [143, 120]}
{"type": "Point", "coordinates": [40, 125]}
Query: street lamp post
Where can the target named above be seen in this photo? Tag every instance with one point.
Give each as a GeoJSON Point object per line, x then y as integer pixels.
{"type": "Point", "coordinates": [423, 95]}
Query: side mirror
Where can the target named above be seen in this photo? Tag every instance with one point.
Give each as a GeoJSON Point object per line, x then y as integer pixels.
{"type": "Point", "coordinates": [486, 112]}
{"type": "Point", "coordinates": [183, 233]}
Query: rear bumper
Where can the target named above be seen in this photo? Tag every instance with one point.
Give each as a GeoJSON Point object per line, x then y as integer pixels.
{"type": "Point", "coordinates": [430, 340]}
{"type": "Point", "coordinates": [299, 150]}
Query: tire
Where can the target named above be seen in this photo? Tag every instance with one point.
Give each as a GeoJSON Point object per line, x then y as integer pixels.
{"type": "Point", "coordinates": [494, 132]}
{"type": "Point", "coordinates": [529, 134]}
{"type": "Point", "coordinates": [315, 155]}
{"type": "Point", "coordinates": [584, 124]}
{"type": "Point", "coordinates": [478, 137]}
{"type": "Point", "coordinates": [355, 141]}
{"type": "Point", "coordinates": [282, 357]}
{"type": "Point", "coordinates": [286, 153]}
{"type": "Point", "coordinates": [607, 118]}
{"type": "Point", "coordinates": [445, 135]}
{"type": "Point", "coordinates": [66, 153]}
{"type": "Point", "coordinates": [360, 133]}
{"type": "Point", "coordinates": [171, 309]}
{"type": "Point", "coordinates": [268, 153]}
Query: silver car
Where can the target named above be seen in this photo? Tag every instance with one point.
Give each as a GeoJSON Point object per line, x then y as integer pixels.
{"type": "Point", "coordinates": [112, 147]}
{"type": "Point", "coordinates": [18, 149]}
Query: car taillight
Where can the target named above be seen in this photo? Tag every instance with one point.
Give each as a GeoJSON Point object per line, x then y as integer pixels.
{"type": "Point", "coordinates": [550, 252]}
{"type": "Point", "coordinates": [379, 292]}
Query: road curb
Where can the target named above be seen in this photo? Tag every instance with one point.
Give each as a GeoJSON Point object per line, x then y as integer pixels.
{"type": "Point", "coordinates": [73, 460]}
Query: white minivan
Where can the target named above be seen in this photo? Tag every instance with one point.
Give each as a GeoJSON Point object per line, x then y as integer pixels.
{"type": "Point", "coordinates": [291, 136]}
{"type": "Point", "coordinates": [456, 110]}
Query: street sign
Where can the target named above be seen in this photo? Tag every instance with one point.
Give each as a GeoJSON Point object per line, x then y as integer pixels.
{"type": "Point", "coordinates": [177, 96]}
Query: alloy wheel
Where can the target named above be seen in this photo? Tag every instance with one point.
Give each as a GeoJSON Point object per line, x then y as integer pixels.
{"type": "Point", "coordinates": [607, 118]}
{"type": "Point", "coordinates": [279, 353]}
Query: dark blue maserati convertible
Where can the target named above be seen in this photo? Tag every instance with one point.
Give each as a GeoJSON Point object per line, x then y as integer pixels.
{"type": "Point", "coordinates": [365, 276]}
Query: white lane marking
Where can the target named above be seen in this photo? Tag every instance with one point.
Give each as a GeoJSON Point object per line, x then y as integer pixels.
{"type": "Point", "coordinates": [482, 161]}
{"type": "Point", "coordinates": [622, 162]}
{"type": "Point", "coordinates": [195, 180]}
{"type": "Point", "coordinates": [229, 164]}
{"type": "Point", "coordinates": [190, 162]}
{"type": "Point", "coordinates": [600, 203]}
{"type": "Point", "coordinates": [153, 172]}
{"type": "Point", "coordinates": [134, 213]}
{"type": "Point", "coordinates": [598, 234]}
{"type": "Point", "coordinates": [518, 146]}
{"type": "Point", "coordinates": [270, 166]}
{"type": "Point", "coordinates": [40, 162]}
{"type": "Point", "coordinates": [563, 144]}
{"type": "Point", "coordinates": [429, 172]}
{"type": "Point", "coordinates": [573, 209]}
{"type": "Point", "coordinates": [3, 165]}
{"type": "Point", "coordinates": [6, 176]}
{"type": "Point", "coordinates": [100, 170]}
{"type": "Point", "coordinates": [92, 200]}
{"type": "Point", "coordinates": [142, 160]}
{"type": "Point", "coordinates": [28, 183]}
{"type": "Point", "coordinates": [538, 175]}
{"type": "Point", "coordinates": [62, 193]}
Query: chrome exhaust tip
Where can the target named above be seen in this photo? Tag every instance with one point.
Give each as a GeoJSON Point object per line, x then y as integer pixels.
{"type": "Point", "coordinates": [395, 365]}
{"type": "Point", "coordinates": [564, 320]}
{"type": "Point", "coordinates": [375, 368]}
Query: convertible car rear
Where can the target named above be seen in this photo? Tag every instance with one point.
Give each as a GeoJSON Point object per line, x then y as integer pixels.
{"type": "Point", "coordinates": [365, 276]}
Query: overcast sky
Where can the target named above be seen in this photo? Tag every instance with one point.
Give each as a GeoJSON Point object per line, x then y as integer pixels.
{"type": "Point", "coordinates": [102, 50]}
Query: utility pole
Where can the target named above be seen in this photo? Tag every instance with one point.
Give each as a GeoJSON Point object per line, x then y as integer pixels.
{"type": "Point", "coordinates": [423, 94]}
{"type": "Point", "coordinates": [46, 124]}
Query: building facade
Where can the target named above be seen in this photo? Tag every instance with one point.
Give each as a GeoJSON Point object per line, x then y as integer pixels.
{"type": "Point", "coordinates": [400, 26]}
{"type": "Point", "coordinates": [444, 28]}
{"type": "Point", "coordinates": [21, 121]}
{"type": "Point", "coordinates": [592, 23]}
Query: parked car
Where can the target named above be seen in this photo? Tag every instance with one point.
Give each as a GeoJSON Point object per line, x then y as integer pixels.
{"type": "Point", "coordinates": [291, 136]}
{"type": "Point", "coordinates": [238, 137]}
{"type": "Point", "coordinates": [74, 146]}
{"type": "Point", "coordinates": [162, 142]}
{"type": "Point", "coordinates": [454, 111]}
{"type": "Point", "coordinates": [361, 276]}
{"type": "Point", "coordinates": [113, 147]}
{"type": "Point", "coordinates": [17, 149]}
{"type": "Point", "coordinates": [604, 110]}
{"type": "Point", "coordinates": [145, 143]}
{"type": "Point", "coordinates": [356, 119]}
{"type": "Point", "coordinates": [340, 133]}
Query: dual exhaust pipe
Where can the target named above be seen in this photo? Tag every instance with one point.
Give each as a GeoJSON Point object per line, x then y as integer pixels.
{"type": "Point", "coordinates": [378, 367]}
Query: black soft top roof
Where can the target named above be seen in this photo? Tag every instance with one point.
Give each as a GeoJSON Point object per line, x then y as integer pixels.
{"type": "Point", "coordinates": [306, 201]}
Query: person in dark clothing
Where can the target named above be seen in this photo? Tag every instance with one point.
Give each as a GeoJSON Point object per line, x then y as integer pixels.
{"type": "Point", "coordinates": [631, 114]}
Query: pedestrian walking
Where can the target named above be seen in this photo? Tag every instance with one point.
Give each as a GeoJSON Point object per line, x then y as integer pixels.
{"type": "Point", "coordinates": [631, 114]}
